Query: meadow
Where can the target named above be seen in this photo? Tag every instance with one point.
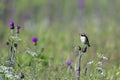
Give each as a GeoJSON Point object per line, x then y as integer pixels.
{"type": "Point", "coordinates": [47, 44]}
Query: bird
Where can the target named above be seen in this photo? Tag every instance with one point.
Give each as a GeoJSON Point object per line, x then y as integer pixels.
{"type": "Point", "coordinates": [84, 39]}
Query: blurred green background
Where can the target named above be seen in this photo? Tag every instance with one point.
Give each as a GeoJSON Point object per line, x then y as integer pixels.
{"type": "Point", "coordinates": [57, 24]}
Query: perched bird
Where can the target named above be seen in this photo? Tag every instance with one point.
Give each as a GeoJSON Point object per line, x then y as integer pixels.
{"type": "Point", "coordinates": [84, 39]}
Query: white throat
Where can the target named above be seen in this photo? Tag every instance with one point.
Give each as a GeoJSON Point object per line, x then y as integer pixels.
{"type": "Point", "coordinates": [83, 39]}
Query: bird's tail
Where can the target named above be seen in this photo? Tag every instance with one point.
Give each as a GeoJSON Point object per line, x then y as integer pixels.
{"type": "Point", "coordinates": [88, 45]}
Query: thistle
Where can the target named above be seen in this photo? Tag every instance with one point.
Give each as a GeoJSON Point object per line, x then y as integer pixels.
{"type": "Point", "coordinates": [83, 50]}
{"type": "Point", "coordinates": [34, 40]}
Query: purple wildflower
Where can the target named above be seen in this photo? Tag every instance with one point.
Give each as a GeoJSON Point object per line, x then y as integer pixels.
{"type": "Point", "coordinates": [35, 39]}
{"type": "Point", "coordinates": [81, 4]}
{"type": "Point", "coordinates": [18, 27]}
{"type": "Point", "coordinates": [69, 63]}
{"type": "Point", "coordinates": [11, 23]}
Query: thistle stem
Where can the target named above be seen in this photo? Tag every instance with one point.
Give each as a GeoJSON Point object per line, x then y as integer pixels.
{"type": "Point", "coordinates": [34, 65]}
{"type": "Point", "coordinates": [34, 69]}
{"type": "Point", "coordinates": [79, 64]}
{"type": "Point", "coordinates": [14, 56]}
{"type": "Point", "coordinates": [12, 32]}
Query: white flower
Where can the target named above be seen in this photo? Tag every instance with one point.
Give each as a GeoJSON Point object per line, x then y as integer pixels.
{"type": "Point", "coordinates": [102, 56]}
{"type": "Point", "coordinates": [103, 73]}
{"type": "Point", "coordinates": [99, 68]}
{"type": "Point", "coordinates": [31, 53]}
{"type": "Point", "coordinates": [105, 58]}
{"type": "Point", "coordinates": [100, 63]}
{"type": "Point", "coordinates": [90, 62]}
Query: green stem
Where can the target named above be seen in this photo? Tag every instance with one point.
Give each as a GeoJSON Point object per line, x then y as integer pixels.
{"type": "Point", "coordinates": [79, 64]}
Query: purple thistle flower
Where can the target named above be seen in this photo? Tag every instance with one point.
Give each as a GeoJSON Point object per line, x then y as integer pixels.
{"type": "Point", "coordinates": [11, 23]}
{"type": "Point", "coordinates": [81, 4]}
{"type": "Point", "coordinates": [18, 27]}
{"type": "Point", "coordinates": [35, 39]}
{"type": "Point", "coordinates": [68, 63]}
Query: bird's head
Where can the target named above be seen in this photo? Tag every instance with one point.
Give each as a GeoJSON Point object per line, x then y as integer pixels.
{"type": "Point", "coordinates": [82, 34]}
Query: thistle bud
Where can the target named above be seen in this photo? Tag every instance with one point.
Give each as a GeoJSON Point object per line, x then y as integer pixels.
{"type": "Point", "coordinates": [78, 48]}
{"type": "Point", "coordinates": [84, 49]}
{"type": "Point", "coordinates": [15, 45]}
{"type": "Point", "coordinates": [7, 43]}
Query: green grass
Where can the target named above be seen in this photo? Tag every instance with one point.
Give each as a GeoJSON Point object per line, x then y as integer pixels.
{"type": "Point", "coordinates": [58, 47]}
{"type": "Point", "coordinates": [99, 20]}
